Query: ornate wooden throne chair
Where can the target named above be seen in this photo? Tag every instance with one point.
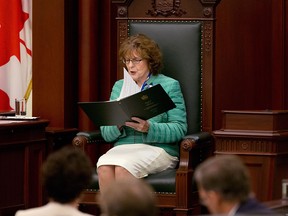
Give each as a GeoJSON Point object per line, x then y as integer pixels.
{"type": "Point", "coordinates": [184, 31]}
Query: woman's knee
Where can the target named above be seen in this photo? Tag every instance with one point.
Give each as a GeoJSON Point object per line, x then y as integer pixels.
{"type": "Point", "coordinates": [121, 172]}
{"type": "Point", "coordinates": [105, 171]}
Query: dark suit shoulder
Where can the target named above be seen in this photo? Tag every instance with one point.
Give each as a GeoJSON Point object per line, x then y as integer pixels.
{"type": "Point", "coordinates": [254, 207]}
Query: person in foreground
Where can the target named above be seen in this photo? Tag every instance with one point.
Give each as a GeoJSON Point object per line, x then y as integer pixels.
{"type": "Point", "coordinates": [133, 197]}
{"type": "Point", "coordinates": [65, 174]}
{"type": "Point", "coordinates": [142, 147]}
{"type": "Point", "coordinates": [224, 187]}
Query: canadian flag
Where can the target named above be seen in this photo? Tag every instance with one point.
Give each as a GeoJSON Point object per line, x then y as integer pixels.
{"type": "Point", "coordinates": [15, 51]}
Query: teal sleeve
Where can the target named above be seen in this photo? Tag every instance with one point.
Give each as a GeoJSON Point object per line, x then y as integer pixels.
{"type": "Point", "coordinates": [174, 127]}
{"type": "Point", "coordinates": [112, 133]}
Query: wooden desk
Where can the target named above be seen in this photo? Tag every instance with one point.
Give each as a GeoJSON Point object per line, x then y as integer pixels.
{"type": "Point", "coordinates": [22, 151]}
{"type": "Point", "coordinates": [260, 138]}
{"type": "Point", "coordinates": [59, 137]}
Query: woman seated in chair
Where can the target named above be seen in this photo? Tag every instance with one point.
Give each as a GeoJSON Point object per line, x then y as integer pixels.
{"type": "Point", "coordinates": [142, 147]}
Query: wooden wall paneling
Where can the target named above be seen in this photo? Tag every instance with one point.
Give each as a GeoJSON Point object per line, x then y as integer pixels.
{"type": "Point", "coordinates": [97, 62]}
{"type": "Point", "coordinates": [278, 54]}
{"type": "Point", "coordinates": [48, 60]}
{"type": "Point", "coordinates": [261, 169]}
{"type": "Point", "coordinates": [108, 55]}
{"type": "Point", "coordinates": [54, 50]}
{"type": "Point", "coordinates": [88, 56]}
{"type": "Point", "coordinates": [12, 197]}
{"type": "Point", "coordinates": [35, 154]}
{"type": "Point", "coordinates": [71, 64]}
{"type": "Point", "coordinates": [22, 152]}
{"type": "Point", "coordinates": [260, 138]}
{"type": "Point", "coordinates": [286, 56]}
{"type": "Point", "coordinates": [257, 166]}
{"type": "Point", "coordinates": [266, 165]}
{"type": "Point", "coordinates": [244, 55]}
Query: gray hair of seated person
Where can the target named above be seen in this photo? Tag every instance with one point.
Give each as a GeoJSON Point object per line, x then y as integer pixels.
{"type": "Point", "coordinates": [132, 197]}
{"type": "Point", "coordinates": [227, 175]}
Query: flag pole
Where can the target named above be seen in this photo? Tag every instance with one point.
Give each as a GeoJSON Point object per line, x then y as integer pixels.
{"type": "Point", "coordinates": [28, 90]}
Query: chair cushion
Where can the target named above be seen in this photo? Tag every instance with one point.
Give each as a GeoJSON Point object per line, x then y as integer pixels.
{"type": "Point", "coordinates": [163, 182]}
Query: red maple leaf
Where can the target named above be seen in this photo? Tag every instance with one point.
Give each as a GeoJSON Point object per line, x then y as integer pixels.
{"type": "Point", "coordinates": [12, 19]}
{"type": "Point", "coordinates": [4, 99]}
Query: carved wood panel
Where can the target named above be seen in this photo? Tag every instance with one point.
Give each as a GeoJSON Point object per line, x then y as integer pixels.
{"type": "Point", "coordinates": [266, 159]}
{"type": "Point", "coordinates": [245, 145]}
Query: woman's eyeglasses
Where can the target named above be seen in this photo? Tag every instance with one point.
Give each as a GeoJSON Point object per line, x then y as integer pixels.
{"type": "Point", "coordinates": [134, 61]}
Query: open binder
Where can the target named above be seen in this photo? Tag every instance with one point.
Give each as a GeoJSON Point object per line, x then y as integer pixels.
{"type": "Point", "coordinates": [145, 104]}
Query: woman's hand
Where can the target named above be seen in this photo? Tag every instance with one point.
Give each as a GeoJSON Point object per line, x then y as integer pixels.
{"type": "Point", "coordinates": [138, 124]}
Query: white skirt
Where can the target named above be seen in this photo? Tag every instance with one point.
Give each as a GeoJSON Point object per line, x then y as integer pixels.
{"type": "Point", "coordinates": [139, 159]}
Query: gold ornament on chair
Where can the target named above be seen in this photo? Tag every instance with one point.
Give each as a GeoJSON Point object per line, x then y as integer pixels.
{"type": "Point", "coordinates": [166, 8]}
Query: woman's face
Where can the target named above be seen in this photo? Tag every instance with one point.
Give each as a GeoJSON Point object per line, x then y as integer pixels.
{"type": "Point", "coordinates": [137, 67]}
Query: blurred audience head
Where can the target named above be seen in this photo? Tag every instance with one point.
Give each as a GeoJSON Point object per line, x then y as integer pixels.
{"type": "Point", "coordinates": [222, 180]}
{"type": "Point", "coordinates": [65, 174]}
{"type": "Point", "coordinates": [131, 197]}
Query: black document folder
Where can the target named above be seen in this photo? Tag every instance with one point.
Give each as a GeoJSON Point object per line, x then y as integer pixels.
{"type": "Point", "coordinates": [145, 104]}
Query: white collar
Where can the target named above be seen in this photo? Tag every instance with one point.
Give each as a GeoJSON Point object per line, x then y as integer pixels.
{"type": "Point", "coordinates": [232, 212]}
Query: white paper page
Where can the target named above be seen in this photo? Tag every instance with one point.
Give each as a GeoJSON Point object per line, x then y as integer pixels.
{"type": "Point", "coordinates": [129, 86]}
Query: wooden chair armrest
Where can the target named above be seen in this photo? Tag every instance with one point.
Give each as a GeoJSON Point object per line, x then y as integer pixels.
{"type": "Point", "coordinates": [92, 143]}
{"type": "Point", "coordinates": [194, 149]}
{"type": "Point", "coordinates": [85, 138]}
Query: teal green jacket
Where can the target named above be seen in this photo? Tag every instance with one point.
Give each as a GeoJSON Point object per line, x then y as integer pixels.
{"type": "Point", "coordinates": [165, 130]}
